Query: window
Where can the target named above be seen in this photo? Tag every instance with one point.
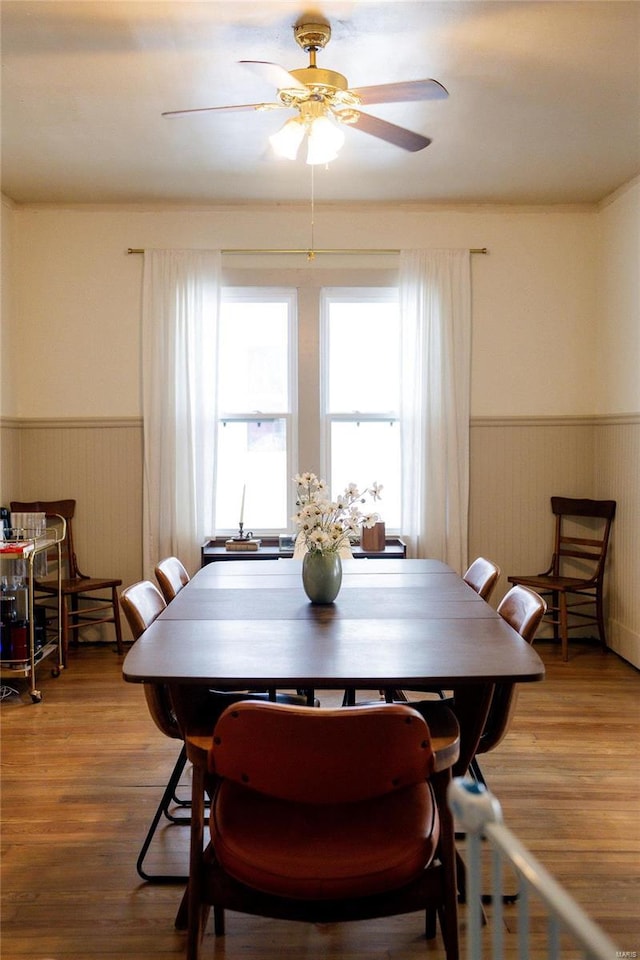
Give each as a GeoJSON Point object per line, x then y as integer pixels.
{"type": "Point", "coordinates": [360, 362]}
{"type": "Point", "coordinates": [256, 405]}
{"type": "Point", "coordinates": [331, 406]}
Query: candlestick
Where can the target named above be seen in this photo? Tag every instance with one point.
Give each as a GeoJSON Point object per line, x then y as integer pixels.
{"type": "Point", "coordinates": [244, 490]}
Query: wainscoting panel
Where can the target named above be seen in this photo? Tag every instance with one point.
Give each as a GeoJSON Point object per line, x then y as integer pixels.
{"type": "Point", "coordinates": [99, 464]}
{"type": "Point", "coordinates": [10, 437]}
{"type": "Point", "coordinates": [517, 464]}
{"type": "Point", "coordinates": [515, 469]}
{"type": "Point", "coordinates": [617, 475]}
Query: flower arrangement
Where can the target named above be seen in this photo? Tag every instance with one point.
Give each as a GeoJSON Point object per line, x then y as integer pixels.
{"type": "Point", "coordinates": [325, 525]}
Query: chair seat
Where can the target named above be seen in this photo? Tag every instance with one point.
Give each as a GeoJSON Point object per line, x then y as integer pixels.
{"type": "Point", "coordinates": [331, 851]}
{"type": "Point", "coordinates": [76, 585]}
{"type": "Point", "coordinates": [548, 582]}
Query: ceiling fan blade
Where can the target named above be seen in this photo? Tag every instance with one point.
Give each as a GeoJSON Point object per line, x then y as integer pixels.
{"type": "Point", "coordinates": [402, 92]}
{"type": "Point", "coordinates": [228, 109]}
{"type": "Point", "coordinates": [275, 74]}
{"type": "Point", "coordinates": [399, 136]}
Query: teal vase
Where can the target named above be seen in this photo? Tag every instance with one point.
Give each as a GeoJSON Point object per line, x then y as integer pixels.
{"type": "Point", "coordinates": [321, 576]}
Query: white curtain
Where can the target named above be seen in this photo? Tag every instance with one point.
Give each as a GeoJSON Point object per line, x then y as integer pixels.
{"type": "Point", "coordinates": [435, 309]}
{"type": "Point", "coordinates": [181, 298]}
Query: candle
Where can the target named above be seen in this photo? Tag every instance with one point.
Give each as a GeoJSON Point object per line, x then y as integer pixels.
{"type": "Point", "coordinates": [244, 490]}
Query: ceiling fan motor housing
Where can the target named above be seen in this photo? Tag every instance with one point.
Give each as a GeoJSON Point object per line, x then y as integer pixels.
{"type": "Point", "coordinates": [312, 36]}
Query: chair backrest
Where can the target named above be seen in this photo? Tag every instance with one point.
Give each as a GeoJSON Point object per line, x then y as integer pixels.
{"type": "Point", "coordinates": [171, 576]}
{"type": "Point", "coordinates": [53, 509]}
{"type": "Point", "coordinates": [523, 609]}
{"type": "Point", "coordinates": [321, 755]}
{"type": "Point", "coordinates": [142, 603]}
{"type": "Point", "coordinates": [482, 577]}
{"type": "Point", "coordinates": [586, 549]}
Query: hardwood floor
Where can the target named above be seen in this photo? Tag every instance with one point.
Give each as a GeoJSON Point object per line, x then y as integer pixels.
{"type": "Point", "coordinates": [83, 770]}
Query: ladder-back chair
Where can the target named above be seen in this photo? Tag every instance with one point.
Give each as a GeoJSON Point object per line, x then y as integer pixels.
{"type": "Point", "coordinates": [86, 601]}
{"type": "Point", "coordinates": [574, 581]}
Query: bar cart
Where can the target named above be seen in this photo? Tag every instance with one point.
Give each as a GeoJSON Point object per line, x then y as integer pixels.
{"type": "Point", "coordinates": [23, 646]}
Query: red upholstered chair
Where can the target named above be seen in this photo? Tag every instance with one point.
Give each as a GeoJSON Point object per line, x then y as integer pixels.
{"type": "Point", "coordinates": [523, 609]}
{"type": "Point", "coordinates": [142, 603]}
{"type": "Point", "coordinates": [172, 576]}
{"type": "Point", "coordinates": [574, 581]}
{"type": "Point", "coordinates": [86, 601]}
{"type": "Point", "coordinates": [482, 577]}
{"type": "Point", "coordinates": [326, 816]}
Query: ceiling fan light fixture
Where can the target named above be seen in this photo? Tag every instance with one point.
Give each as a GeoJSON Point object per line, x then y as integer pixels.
{"type": "Point", "coordinates": [325, 140]}
{"type": "Point", "coordinates": [286, 142]}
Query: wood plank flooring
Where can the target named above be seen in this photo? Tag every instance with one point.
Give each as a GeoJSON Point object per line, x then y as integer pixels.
{"type": "Point", "coordinates": [83, 770]}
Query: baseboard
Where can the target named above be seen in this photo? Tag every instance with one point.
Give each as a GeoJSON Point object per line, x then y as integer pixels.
{"type": "Point", "coordinates": [624, 642]}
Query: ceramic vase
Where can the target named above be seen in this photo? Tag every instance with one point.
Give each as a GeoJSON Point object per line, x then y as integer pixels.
{"type": "Point", "coordinates": [321, 576]}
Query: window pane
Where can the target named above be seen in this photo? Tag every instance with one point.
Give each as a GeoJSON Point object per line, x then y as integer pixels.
{"type": "Point", "coordinates": [254, 356]}
{"type": "Point", "coordinates": [252, 454]}
{"type": "Point", "coordinates": [363, 356]}
{"type": "Point", "coordinates": [366, 453]}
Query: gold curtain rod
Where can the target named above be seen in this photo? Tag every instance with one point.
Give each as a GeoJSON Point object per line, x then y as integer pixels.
{"type": "Point", "coordinates": [311, 253]}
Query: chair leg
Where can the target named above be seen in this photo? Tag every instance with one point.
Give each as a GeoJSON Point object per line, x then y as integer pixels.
{"type": "Point", "coordinates": [116, 620]}
{"type": "Point", "coordinates": [218, 921]}
{"type": "Point", "coordinates": [162, 809]}
{"type": "Point", "coordinates": [448, 913]}
{"type": "Point", "coordinates": [600, 617]}
{"type": "Point", "coordinates": [182, 916]}
{"type": "Point", "coordinates": [555, 613]}
{"type": "Point", "coordinates": [564, 631]}
{"type": "Point", "coordinates": [64, 612]}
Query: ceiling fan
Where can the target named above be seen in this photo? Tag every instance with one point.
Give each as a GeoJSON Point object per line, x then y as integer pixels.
{"type": "Point", "coordinates": [324, 102]}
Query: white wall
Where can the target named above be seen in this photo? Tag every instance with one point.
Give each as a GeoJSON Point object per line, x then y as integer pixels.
{"type": "Point", "coordinates": [77, 294]}
{"type": "Point", "coordinates": [618, 343]}
{"type": "Point", "coordinates": [6, 295]}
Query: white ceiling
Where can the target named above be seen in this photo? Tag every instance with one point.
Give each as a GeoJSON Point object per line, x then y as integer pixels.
{"type": "Point", "coordinates": [544, 100]}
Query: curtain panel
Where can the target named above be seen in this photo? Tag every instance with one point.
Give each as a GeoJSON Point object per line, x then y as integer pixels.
{"type": "Point", "coordinates": [180, 309]}
{"type": "Point", "coordinates": [435, 311]}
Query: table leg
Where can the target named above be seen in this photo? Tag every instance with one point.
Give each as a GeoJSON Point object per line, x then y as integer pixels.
{"type": "Point", "coordinates": [471, 706]}
{"type": "Point", "coordinates": [194, 908]}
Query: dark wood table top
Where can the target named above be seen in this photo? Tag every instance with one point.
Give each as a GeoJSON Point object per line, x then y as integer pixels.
{"type": "Point", "coordinates": [397, 623]}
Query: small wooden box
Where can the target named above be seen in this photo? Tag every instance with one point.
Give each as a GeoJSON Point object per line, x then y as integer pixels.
{"type": "Point", "coordinates": [373, 539]}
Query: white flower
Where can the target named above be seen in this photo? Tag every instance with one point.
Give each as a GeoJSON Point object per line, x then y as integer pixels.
{"type": "Point", "coordinates": [326, 525]}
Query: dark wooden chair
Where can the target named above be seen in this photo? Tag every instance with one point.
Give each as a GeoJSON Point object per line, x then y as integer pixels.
{"type": "Point", "coordinates": [325, 816]}
{"type": "Point", "coordinates": [86, 601]}
{"type": "Point", "coordinates": [172, 576]}
{"type": "Point", "coordinates": [141, 603]}
{"type": "Point", "coordinates": [574, 581]}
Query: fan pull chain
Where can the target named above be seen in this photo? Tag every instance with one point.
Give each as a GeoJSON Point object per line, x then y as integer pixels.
{"type": "Point", "coordinates": [311, 252]}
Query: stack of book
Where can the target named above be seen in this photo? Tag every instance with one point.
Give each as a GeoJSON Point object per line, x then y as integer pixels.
{"type": "Point", "coordinates": [242, 544]}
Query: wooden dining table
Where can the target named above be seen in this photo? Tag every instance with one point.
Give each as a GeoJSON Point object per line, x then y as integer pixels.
{"type": "Point", "coordinates": [402, 624]}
